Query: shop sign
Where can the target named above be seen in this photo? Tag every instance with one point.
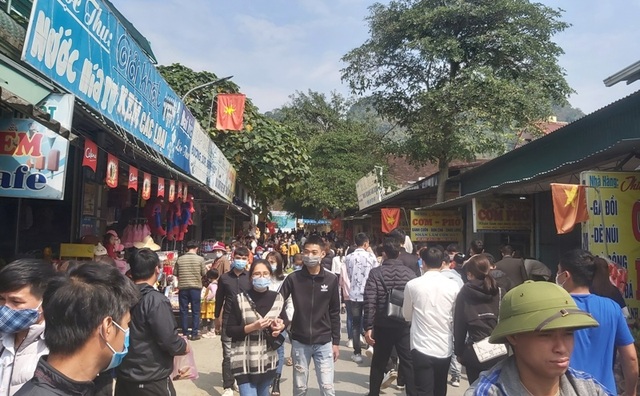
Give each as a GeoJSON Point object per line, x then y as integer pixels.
{"type": "Point", "coordinates": [501, 214]}
{"type": "Point", "coordinates": [33, 159]}
{"type": "Point", "coordinates": [613, 228]}
{"type": "Point", "coordinates": [82, 46]}
{"type": "Point", "coordinates": [436, 226]}
{"type": "Point", "coordinates": [368, 190]}
{"type": "Point", "coordinates": [222, 175]}
{"type": "Point", "coordinates": [90, 155]}
{"type": "Point", "coordinates": [283, 220]}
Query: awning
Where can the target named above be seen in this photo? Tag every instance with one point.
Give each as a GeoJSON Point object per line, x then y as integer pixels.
{"type": "Point", "coordinates": [17, 103]}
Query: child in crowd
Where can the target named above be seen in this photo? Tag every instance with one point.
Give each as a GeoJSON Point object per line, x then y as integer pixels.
{"type": "Point", "coordinates": [209, 303]}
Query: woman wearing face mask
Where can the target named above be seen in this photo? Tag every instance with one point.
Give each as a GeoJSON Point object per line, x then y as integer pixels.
{"type": "Point", "coordinates": [221, 261]}
{"type": "Point", "coordinates": [22, 284]}
{"type": "Point", "coordinates": [253, 313]}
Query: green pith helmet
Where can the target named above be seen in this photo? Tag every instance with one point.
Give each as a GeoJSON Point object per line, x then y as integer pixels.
{"type": "Point", "coordinates": [538, 306]}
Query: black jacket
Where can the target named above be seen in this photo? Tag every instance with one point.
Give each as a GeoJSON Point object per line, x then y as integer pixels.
{"type": "Point", "coordinates": [476, 313]}
{"type": "Point", "coordinates": [229, 285]}
{"type": "Point", "coordinates": [502, 279]}
{"type": "Point", "coordinates": [316, 302]}
{"type": "Point", "coordinates": [514, 268]}
{"type": "Point", "coordinates": [396, 276]}
{"type": "Point", "coordinates": [410, 261]}
{"type": "Point", "coordinates": [48, 381]}
{"type": "Point", "coordinates": [154, 339]}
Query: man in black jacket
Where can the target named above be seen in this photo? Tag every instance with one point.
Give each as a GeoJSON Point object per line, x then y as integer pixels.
{"type": "Point", "coordinates": [409, 260]}
{"type": "Point", "coordinates": [315, 327]}
{"type": "Point", "coordinates": [146, 370]}
{"type": "Point", "coordinates": [513, 267]}
{"type": "Point", "coordinates": [383, 332]}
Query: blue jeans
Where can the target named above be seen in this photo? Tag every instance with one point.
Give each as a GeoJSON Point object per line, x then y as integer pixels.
{"type": "Point", "coordinates": [347, 304]}
{"type": "Point", "coordinates": [186, 297]}
{"type": "Point", "coordinates": [322, 355]}
{"type": "Point", "coordinates": [281, 355]}
{"type": "Point", "coordinates": [255, 389]}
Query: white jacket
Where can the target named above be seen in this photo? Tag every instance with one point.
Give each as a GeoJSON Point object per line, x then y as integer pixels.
{"type": "Point", "coordinates": [18, 368]}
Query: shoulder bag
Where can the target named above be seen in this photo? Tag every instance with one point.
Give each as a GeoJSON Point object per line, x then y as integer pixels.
{"type": "Point", "coordinates": [394, 298]}
{"type": "Point", "coordinates": [273, 343]}
{"type": "Point", "coordinates": [486, 351]}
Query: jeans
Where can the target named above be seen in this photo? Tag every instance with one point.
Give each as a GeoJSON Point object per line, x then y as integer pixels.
{"type": "Point", "coordinates": [347, 304]}
{"type": "Point", "coordinates": [281, 355]}
{"type": "Point", "coordinates": [356, 315]}
{"type": "Point", "coordinates": [430, 374]}
{"type": "Point", "coordinates": [322, 355]}
{"type": "Point", "coordinates": [186, 297]}
{"type": "Point", "coordinates": [255, 389]}
{"type": "Point", "coordinates": [227, 376]}
{"type": "Point", "coordinates": [386, 339]}
{"type": "Point", "coordinates": [455, 368]}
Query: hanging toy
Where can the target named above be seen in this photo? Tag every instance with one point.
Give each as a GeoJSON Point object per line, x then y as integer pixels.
{"type": "Point", "coordinates": [173, 221]}
{"type": "Point", "coordinates": [153, 213]}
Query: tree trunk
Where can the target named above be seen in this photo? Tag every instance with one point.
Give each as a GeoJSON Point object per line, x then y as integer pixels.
{"type": "Point", "coordinates": [443, 175]}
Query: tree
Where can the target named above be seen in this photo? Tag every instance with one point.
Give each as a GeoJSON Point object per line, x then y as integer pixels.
{"type": "Point", "coordinates": [567, 113]}
{"type": "Point", "coordinates": [459, 75]}
{"type": "Point", "coordinates": [342, 150]}
{"type": "Point", "coordinates": [268, 156]}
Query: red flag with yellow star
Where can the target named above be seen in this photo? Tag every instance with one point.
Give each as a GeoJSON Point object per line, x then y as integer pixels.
{"type": "Point", "coordinates": [230, 112]}
{"type": "Point", "coordinates": [569, 206]}
{"type": "Point", "coordinates": [390, 219]}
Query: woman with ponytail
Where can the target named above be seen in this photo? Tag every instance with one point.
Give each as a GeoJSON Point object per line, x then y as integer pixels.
{"type": "Point", "coordinates": [476, 315]}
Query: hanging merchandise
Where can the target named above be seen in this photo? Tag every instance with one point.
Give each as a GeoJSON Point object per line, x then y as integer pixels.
{"type": "Point", "coordinates": [173, 221]}
{"type": "Point", "coordinates": [90, 158]}
{"type": "Point", "coordinates": [186, 212]}
{"type": "Point", "coordinates": [133, 178]}
{"type": "Point", "coordinates": [136, 231]}
{"type": "Point", "coordinates": [112, 171]}
{"type": "Point", "coordinates": [172, 191]}
{"type": "Point", "coordinates": [153, 213]}
{"type": "Point", "coordinates": [146, 186]}
{"type": "Point", "coordinates": [161, 187]}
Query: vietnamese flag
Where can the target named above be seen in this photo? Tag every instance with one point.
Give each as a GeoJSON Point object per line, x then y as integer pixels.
{"type": "Point", "coordinates": [133, 178]}
{"type": "Point", "coordinates": [161, 187]}
{"type": "Point", "coordinates": [569, 206]}
{"type": "Point", "coordinates": [390, 219]}
{"type": "Point", "coordinates": [230, 112]}
{"type": "Point", "coordinates": [90, 157]}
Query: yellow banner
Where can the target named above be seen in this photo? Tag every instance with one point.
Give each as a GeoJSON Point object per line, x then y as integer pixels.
{"type": "Point", "coordinates": [613, 228]}
{"type": "Point", "coordinates": [502, 214]}
{"type": "Point", "coordinates": [436, 226]}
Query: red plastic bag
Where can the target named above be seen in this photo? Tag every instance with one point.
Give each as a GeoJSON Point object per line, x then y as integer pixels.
{"type": "Point", "coordinates": [184, 367]}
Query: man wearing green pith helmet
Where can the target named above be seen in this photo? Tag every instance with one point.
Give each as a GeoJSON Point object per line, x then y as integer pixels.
{"type": "Point", "coordinates": [537, 319]}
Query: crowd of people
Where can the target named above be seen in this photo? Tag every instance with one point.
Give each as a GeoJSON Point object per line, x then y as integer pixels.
{"type": "Point", "coordinates": [420, 313]}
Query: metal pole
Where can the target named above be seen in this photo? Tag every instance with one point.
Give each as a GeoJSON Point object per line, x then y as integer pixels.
{"type": "Point", "coordinates": [215, 82]}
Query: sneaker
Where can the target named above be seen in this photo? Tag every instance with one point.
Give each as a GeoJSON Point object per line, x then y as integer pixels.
{"type": "Point", "coordinates": [369, 352]}
{"type": "Point", "coordinates": [227, 392]}
{"type": "Point", "coordinates": [350, 343]}
{"type": "Point", "coordinates": [455, 381]}
{"type": "Point", "coordinates": [195, 337]}
{"type": "Point", "coordinates": [356, 358]}
{"type": "Point", "coordinates": [388, 379]}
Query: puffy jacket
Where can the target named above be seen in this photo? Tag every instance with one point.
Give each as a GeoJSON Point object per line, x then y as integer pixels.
{"type": "Point", "coordinates": [189, 269]}
{"type": "Point", "coordinates": [476, 313]}
{"type": "Point", "coordinates": [154, 339]}
{"type": "Point", "coordinates": [396, 275]}
{"type": "Point", "coordinates": [18, 367]}
{"type": "Point", "coordinates": [316, 302]}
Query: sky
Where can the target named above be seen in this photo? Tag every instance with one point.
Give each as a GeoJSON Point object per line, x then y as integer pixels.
{"type": "Point", "coordinates": [274, 48]}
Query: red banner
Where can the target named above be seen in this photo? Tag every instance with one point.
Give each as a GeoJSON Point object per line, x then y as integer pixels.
{"type": "Point", "coordinates": [185, 190]}
{"type": "Point", "coordinates": [229, 115]}
{"type": "Point", "coordinates": [172, 190]}
{"type": "Point", "coordinates": [146, 186]}
{"type": "Point", "coordinates": [179, 192]}
{"type": "Point", "coordinates": [112, 171]}
{"type": "Point", "coordinates": [390, 219]}
{"type": "Point", "coordinates": [90, 157]}
{"type": "Point", "coordinates": [160, 187]}
{"type": "Point", "coordinates": [133, 178]}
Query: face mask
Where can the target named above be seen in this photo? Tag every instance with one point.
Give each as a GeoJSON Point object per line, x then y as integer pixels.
{"type": "Point", "coordinates": [558, 283]}
{"type": "Point", "coordinates": [239, 264]}
{"type": "Point", "coordinates": [118, 357]}
{"type": "Point", "coordinates": [419, 263]}
{"type": "Point", "coordinates": [15, 320]}
{"type": "Point", "coordinates": [311, 261]}
{"type": "Point", "coordinates": [274, 267]}
{"type": "Point", "coordinates": [218, 254]}
{"type": "Point", "coordinates": [261, 284]}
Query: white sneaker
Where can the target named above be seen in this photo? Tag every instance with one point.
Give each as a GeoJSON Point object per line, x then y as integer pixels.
{"type": "Point", "coordinates": [350, 344]}
{"type": "Point", "coordinates": [227, 392]}
{"type": "Point", "coordinates": [455, 381]}
{"type": "Point", "coordinates": [356, 358]}
{"type": "Point", "coordinates": [388, 379]}
{"type": "Point", "coordinates": [369, 352]}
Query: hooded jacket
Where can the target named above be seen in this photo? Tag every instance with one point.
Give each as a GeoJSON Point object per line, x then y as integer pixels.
{"type": "Point", "coordinates": [154, 339]}
{"type": "Point", "coordinates": [316, 302]}
{"type": "Point", "coordinates": [396, 275]}
{"type": "Point", "coordinates": [476, 313]}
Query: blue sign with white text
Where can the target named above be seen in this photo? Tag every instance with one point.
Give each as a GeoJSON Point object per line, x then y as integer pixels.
{"type": "Point", "coordinates": [81, 45]}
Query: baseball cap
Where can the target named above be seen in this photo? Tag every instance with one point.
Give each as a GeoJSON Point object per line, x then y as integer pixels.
{"type": "Point", "coordinates": [538, 306]}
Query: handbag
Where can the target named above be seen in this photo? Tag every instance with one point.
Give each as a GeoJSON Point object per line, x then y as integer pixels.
{"type": "Point", "coordinates": [395, 299]}
{"type": "Point", "coordinates": [486, 351]}
{"type": "Point", "coordinates": [273, 343]}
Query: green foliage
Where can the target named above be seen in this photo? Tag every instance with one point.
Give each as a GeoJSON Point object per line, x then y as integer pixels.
{"type": "Point", "coordinates": [342, 149]}
{"type": "Point", "coordinates": [567, 113]}
{"type": "Point", "coordinates": [459, 75]}
{"type": "Point", "coordinates": [270, 159]}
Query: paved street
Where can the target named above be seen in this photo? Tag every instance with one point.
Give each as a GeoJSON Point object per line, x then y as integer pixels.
{"type": "Point", "coordinates": [350, 379]}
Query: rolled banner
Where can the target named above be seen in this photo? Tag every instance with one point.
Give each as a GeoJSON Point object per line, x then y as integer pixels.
{"type": "Point", "coordinates": [133, 178]}
{"type": "Point", "coordinates": [146, 186]}
{"type": "Point", "coordinates": [112, 171]}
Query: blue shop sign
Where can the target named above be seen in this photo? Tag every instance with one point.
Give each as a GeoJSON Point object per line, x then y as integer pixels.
{"type": "Point", "coordinates": [81, 45]}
